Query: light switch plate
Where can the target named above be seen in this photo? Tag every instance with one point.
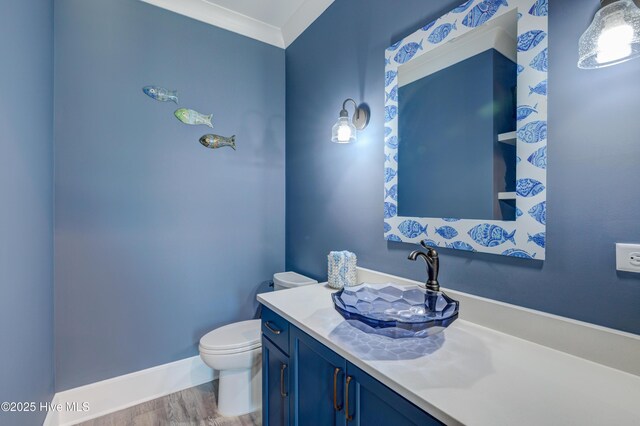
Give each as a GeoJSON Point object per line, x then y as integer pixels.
{"type": "Point", "coordinates": [628, 257]}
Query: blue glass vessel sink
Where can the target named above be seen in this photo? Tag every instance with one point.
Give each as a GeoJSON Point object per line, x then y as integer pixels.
{"type": "Point", "coordinates": [396, 311]}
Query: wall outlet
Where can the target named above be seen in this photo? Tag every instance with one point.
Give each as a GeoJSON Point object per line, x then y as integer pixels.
{"type": "Point", "coordinates": [628, 257]}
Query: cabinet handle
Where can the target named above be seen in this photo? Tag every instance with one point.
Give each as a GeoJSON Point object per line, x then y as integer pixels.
{"type": "Point", "coordinates": [335, 390]}
{"type": "Point", "coordinates": [283, 393]}
{"type": "Point", "coordinates": [271, 328]}
{"type": "Point", "coordinates": [348, 416]}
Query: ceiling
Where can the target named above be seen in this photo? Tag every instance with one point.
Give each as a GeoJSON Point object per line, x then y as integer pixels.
{"type": "Point", "coordinates": [277, 22]}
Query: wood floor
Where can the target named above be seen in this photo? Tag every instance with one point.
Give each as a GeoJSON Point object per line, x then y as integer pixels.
{"type": "Point", "coordinates": [193, 406]}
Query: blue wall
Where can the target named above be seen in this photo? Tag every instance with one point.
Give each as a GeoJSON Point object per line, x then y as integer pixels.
{"type": "Point", "coordinates": [334, 192]}
{"type": "Point", "coordinates": [447, 163]}
{"type": "Point", "coordinates": [158, 240]}
{"type": "Point", "coordinates": [26, 206]}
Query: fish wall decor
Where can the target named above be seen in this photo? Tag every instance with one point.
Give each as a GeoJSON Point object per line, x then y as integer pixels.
{"type": "Point", "coordinates": [161, 94]}
{"type": "Point", "coordinates": [217, 141]}
{"type": "Point", "coordinates": [193, 118]}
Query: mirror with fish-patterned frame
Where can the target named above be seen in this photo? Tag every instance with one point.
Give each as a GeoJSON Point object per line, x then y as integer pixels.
{"type": "Point", "coordinates": [430, 96]}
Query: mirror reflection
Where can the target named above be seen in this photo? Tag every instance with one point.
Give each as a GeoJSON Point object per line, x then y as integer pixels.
{"type": "Point", "coordinates": [456, 126]}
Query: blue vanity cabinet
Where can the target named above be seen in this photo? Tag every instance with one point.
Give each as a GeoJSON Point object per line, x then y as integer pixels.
{"type": "Point", "coordinates": [304, 383]}
{"type": "Point", "coordinates": [318, 375]}
{"type": "Point", "coordinates": [275, 385]}
{"type": "Point", "coordinates": [370, 403]}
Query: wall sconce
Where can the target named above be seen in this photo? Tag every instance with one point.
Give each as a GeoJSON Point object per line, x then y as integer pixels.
{"type": "Point", "coordinates": [344, 131]}
{"type": "Point", "coordinates": [612, 37]}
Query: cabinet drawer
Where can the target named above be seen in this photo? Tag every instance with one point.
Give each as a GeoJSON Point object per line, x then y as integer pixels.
{"type": "Point", "coordinates": [276, 329]}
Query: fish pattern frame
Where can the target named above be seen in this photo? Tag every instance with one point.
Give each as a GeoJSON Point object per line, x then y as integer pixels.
{"type": "Point", "coordinates": [507, 238]}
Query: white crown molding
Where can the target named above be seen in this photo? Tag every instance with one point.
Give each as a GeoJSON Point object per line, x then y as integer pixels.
{"type": "Point", "coordinates": [228, 19]}
{"type": "Point", "coordinates": [224, 18]}
{"type": "Point", "coordinates": [302, 18]}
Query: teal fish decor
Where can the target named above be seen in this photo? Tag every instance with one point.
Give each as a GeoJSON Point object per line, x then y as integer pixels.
{"type": "Point", "coordinates": [217, 141]}
{"type": "Point", "coordinates": [161, 94]}
{"type": "Point", "coordinates": [189, 116]}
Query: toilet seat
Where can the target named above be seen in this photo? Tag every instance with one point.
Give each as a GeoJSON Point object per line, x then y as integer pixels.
{"type": "Point", "coordinates": [232, 338]}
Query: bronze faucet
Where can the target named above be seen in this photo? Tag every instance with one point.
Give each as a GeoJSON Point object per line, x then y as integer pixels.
{"type": "Point", "coordinates": [433, 265]}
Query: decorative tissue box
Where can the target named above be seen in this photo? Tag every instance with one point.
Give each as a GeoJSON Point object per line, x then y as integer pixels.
{"type": "Point", "coordinates": [342, 269]}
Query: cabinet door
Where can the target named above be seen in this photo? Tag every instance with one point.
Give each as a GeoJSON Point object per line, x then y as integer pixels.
{"type": "Point", "coordinates": [318, 374]}
{"type": "Point", "coordinates": [370, 403]}
{"type": "Point", "coordinates": [275, 385]}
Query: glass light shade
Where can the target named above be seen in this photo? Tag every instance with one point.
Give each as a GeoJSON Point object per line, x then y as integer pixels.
{"type": "Point", "coordinates": [343, 131]}
{"type": "Point", "coordinates": [612, 37]}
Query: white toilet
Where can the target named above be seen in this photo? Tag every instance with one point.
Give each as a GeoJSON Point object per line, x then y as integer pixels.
{"type": "Point", "coordinates": [235, 351]}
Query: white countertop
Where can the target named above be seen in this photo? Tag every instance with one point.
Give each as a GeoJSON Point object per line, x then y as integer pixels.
{"type": "Point", "coordinates": [470, 374]}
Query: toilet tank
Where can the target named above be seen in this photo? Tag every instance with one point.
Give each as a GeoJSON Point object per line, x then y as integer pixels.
{"type": "Point", "coordinates": [284, 280]}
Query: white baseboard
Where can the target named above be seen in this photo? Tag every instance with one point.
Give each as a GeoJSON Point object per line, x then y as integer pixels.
{"type": "Point", "coordinates": [53, 416]}
{"type": "Point", "coordinates": [125, 391]}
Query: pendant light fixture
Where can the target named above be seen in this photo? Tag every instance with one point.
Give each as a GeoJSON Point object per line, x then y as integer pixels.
{"type": "Point", "coordinates": [612, 37]}
{"type": "Point", "coordinates": [344, 131]}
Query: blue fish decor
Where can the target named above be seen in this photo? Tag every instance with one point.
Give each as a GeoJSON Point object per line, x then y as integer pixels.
{"type": "Point", "coordinates": [538, 239]}
{"type": "Point", "coordinates": [482, 12]}
{"type": "Point", "coordinates": [530, 39]}
{"type": "Point", "coordinates": [411, 229]}
{"type": "Point", "coordinates": [539, 158]}
{"type": "Point", "coordinates": [528, 241]}
{"type": "Point", "coordinates": [391, 193]}
{"type": "Point", "coordinates": [428, 26]}
{"type": "Point", "coordinates": [392, 142]}
{"type": "Point", "coordinates": [525, 111]}
{"type": "Point", "coordinates": [464, 6]}
{"type": "Point", "coordinates": [540, 8]}
{"type": "Point", "coordinates": [389, 174]}
{"type": "Point", "coordinates": [161, 94]}
{"type": "Point", "coordinates": [528, 187]}
{"type": "Point", "coordinates": [216, 141]}
{"type": "Point", "coordinates": [539, 212]}
{"type": "Point", "coordinates": [389, 76]}
{"type": "Point", "coordinates": [390, 113]}
{"type": "Point", "coordinates": [447, 232]}
{"type": "Point", "coordinates": [541, 61]}
{"type": "Point", "coordinates": [539, 89]}
{"type": "Point", "coordinates": [393, 94]}
{"type": "Point", "coordinates": [430, 243]}
{"type": "Point", "coordinates": [407, 52]}
{"type": "Point", "coordinates": [394, 46]}
{"type": "Point", "coordinates": [491, 235]}
{"type": "Point", "coordinates": [390, 210]}
{"type": "Point", "coordinates": [518, 253]}
{"type": "Point", "coordinates": [441, 32]}
{"type": "Point", "coordinates": [460, 245]}
{"type": "Point", "coordinates": [533, 132]}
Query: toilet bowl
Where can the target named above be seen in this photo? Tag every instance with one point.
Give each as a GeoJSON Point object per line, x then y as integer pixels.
{"type": "Point", "coordinates": [235, 350]}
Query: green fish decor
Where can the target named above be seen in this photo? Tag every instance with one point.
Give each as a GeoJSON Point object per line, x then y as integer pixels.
{"type": "Point", "coordinates": [217, 141]}
{"type": "Point", "coordinates": [194, 118]}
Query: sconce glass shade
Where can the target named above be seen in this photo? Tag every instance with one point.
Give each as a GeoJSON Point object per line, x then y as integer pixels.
{"type": "Point", "coordinates": [343, 131]}
{"type": "Point", "coordinates": [612, 37]}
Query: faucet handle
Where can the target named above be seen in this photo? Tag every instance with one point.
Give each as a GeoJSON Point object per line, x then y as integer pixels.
{"type": "Point", "coordinates": [430, 250]}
